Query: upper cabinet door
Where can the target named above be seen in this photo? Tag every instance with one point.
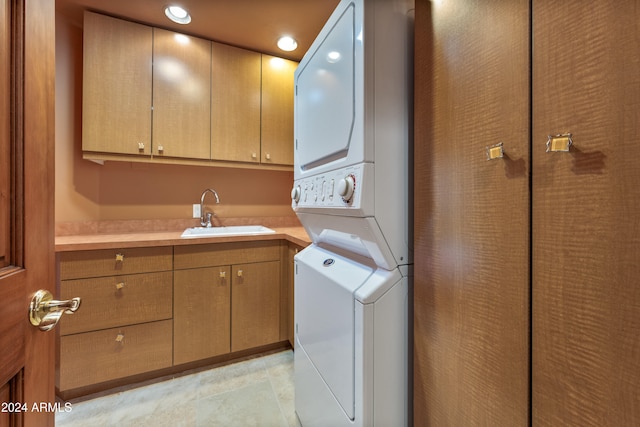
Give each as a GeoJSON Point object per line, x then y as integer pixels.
{"type": "Point", "coordinates": [277, 110]}
{"type": "Point", "coordinates": [235, 104]}
{"type": "Point", "coordinates": [181, 93]}
{"type": "Point", "coordinates": [113, 49]}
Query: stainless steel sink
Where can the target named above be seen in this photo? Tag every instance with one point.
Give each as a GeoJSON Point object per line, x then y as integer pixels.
{"type": "Point", "coordinates": [234, 230]}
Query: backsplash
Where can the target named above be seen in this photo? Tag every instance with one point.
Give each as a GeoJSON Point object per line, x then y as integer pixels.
{"type": "Point", "coordinates": [75, 228]}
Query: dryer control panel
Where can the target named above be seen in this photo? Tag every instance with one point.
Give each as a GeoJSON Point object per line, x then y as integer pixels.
{"type": "Point", "coordinates": [339, 189]}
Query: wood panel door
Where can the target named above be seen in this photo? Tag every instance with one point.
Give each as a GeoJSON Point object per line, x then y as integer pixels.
{"type": "Point", "coordinates": [27, 263]}
{"type": "Point", "coordinates": [471, 231]}
{"type": "Point", "coordinates": [181, 95]}
{"type": "Point", "coordinates": [201, 313]}
{"type": "Point", "coordinates": [113, 48]}
{"type": "Point", "coordinates": [277, 110]}
{"type": "Point", "coordinates": [255, 304]}
{"type": "Point", "coordinates": [235, 104]}
{"type": "Point", "coordinates": [586, 207]}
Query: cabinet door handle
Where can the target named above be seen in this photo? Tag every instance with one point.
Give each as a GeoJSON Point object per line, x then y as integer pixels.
{"type": "Point", "coordinates": [560, 143]}
{"type": "Point", "coordinates": [120, 338]}
{"type": "Point", "coordinates": [119, 285]}
{"type": "Point", "coordinates": [240, 273]}
{"type": "Point", "coordinates": [495, 151]}
{"type": "Point", "coordinates": [119, 257]}
{"type": "Point", "coordinates": [223, 274]}
{"type": "Point", "coordinates": [141, 146]}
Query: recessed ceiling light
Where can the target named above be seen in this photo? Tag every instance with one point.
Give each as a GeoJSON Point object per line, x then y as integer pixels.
{"type": "Point", "coordinates": [287, 43]}
{"type": "Point", "coordinates": [177, 14]}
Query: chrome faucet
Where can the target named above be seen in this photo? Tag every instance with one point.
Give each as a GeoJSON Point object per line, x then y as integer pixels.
{"type": "Point", "coordinates": [207, 222]}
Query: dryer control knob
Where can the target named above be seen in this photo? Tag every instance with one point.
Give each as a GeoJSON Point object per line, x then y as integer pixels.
{"type": "Point", "coordinates": [346, 186]}
{"type": "Point", "coordinates": [295, 194]}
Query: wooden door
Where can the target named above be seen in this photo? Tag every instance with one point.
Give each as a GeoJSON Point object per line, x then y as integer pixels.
{"type": "Point", "coordinates": [235, 104]}
{"type": "Point", "coordinates": [27, 70]}
{"type": "Point", "coordinates": [277, 110]}
{"type": "Point", "coordinates": [471, 231]}
{"type": "Point", "coordinates": [116, 90]}
{"type": "Point", "coordinates": [181, 95]}
{"type": "Point", "coordinates": [201, 313]}
{"type": "Point", "coordinates": [255, 304]}
{"type": "Point", "coordinates": [586, 210]}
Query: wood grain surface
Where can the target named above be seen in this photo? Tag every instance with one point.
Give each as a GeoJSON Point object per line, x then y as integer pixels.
{"type": "Point", "coordinates": [471, 290]}
{"type": "Point", "coordinates": [586, 233]}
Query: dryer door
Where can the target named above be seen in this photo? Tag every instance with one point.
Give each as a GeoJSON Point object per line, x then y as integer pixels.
{"type": "Point", "coordinates": [325, 319]}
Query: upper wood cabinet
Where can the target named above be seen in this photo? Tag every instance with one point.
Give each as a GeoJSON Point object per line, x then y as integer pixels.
{"type": "Point", "coordinates": [203, 102]}
{"type": "Point", "coordinates": [235, 104]}
{"type": "Point", "coordinates": [181, 95]}
{"type": "Point", "coordinates": [116, 100]}
{"type": "Point", "coordinates": [277, 110]}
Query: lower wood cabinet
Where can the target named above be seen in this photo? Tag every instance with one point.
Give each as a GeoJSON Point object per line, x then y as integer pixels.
{"type": "Point", "coordinates": [152, 311]}
{"type": "Point", "coordinates": [227, 298]}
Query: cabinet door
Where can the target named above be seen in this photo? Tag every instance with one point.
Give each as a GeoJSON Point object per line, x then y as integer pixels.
{"type": "Point", "coordinates": [586, 233]}
{"type": "Point", "coordinates": [235, 104]}
{"type": "Point", "coordinates": [277, 110]}
{"type": "Point", "coordinates": [201, 313]}
{"type": "Point", "coordinates": [116, 96]}
{"type": "Point", "coordinates": [255, 305]}
{"type": "Point", "coordinates": [181, 95]}
{"type": "Point", "coordinates": [471, 289]}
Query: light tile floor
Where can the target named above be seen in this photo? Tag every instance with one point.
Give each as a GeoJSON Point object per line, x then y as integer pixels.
{"type": "Point", "coordinates": [255, 392]}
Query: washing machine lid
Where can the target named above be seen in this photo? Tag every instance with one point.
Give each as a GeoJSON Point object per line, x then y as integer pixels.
{"type": "Point", "coordinates": [328, 98]}
{"type": "Point", "coordinates": [325, 284]}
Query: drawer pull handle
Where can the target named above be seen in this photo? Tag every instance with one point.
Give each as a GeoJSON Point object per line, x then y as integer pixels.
{"type": "Point", "coordinates": [119, 285]}
{"type": "Point", "coordinates": [120, 338]}
{"type": "Point", "coordinates": [45, 312]}
{"type": "Point", "coordinates": [223, 274]}
{"type": "Point", "coordinates": [240, 273]}
{"type": "Point", "coordinates": [119, 257]}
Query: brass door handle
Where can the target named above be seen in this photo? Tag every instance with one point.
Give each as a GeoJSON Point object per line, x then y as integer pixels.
{"type": "Point", "coordinates": [45, 312]}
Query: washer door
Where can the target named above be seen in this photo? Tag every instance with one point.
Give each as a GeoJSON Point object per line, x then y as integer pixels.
{"type": "Point", "coordinates": [325, 318]}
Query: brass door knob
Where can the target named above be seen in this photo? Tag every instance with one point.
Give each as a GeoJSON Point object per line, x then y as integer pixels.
{"type": "Point", "coordinates": [45, 312]}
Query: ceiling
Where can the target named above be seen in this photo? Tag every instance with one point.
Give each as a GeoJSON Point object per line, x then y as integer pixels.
{"type": "Point", "coordinates": [251, 24]}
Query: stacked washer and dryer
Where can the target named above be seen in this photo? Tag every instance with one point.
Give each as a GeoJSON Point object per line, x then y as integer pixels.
{"type": "Point", "coordinates": [352, 193]}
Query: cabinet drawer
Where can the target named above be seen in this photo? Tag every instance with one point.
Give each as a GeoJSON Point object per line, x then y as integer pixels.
{"type": "Point", "coordinates": [210, 255]}
{"type": "Point", "coordinates": [95, 357]}
{"type": "Point", "coordinates": [110, 262]}
{"type": "Point", "coordinates": [108, 302]}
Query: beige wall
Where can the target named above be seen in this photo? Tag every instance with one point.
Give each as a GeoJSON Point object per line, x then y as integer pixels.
{"type": "Point", "coordinates": [86, 191]}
